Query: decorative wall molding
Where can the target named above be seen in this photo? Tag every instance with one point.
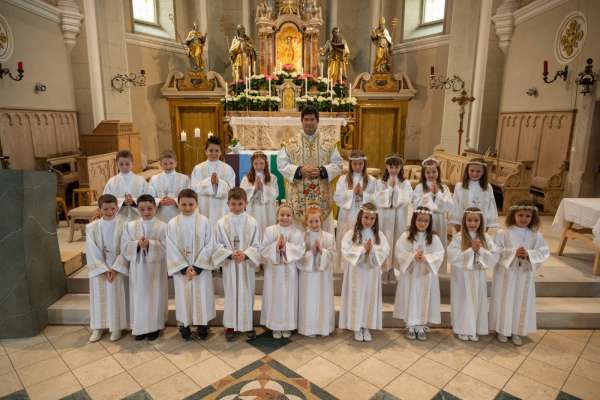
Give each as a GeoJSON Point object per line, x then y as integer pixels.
{"type": "Point", "coordinates": [535, 8]}
{"type": "Point", "coordinates": [66, 14]}
{"type": "Point", "coordinates": [429, 42]}
{"type": "Point", "coordinates": [504, 22]}
{"type": "Point", "coordinates": [154, 43]}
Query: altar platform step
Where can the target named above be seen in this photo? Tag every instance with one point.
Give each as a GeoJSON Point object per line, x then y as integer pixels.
{"type": "Point", "coordinates": [551, 281]}
{"type": "Point", "coordinates": [552, 312]}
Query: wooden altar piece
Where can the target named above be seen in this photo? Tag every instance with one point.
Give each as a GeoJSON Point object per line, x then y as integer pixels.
{"type": "Point", "coordinates": [543, 137]}
{"type": "Point", "coordinates": [113, 135]}
{"type": "Point", "coordinates": [95, 171]}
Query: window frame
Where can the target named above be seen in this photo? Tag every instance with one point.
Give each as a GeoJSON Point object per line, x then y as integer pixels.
{"type": "Point", "coordinates": [144, 22]}
{"type": "Point", "coordinates": [430, 23]}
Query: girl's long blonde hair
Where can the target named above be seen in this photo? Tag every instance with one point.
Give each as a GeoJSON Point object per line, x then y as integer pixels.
{"type": "Point", "coordinates": [466, 241]}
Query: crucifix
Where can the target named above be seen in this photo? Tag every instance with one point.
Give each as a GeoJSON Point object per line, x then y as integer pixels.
{"type": "Point", "coordinates": [462, 101]}
{"type": "Point", "coordinates": [186, 253]}
{"type": "Point", "coordinates": [105, 251]}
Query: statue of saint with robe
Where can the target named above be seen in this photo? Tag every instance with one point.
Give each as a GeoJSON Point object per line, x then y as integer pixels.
{"type": "Point", "coordinates": [195, 47]}
{"type": "Point", "coordinates": [242, 54]}
{"type": "Point", "coordinates": [337, 52]}
{"type": "Point", "coordinates": [382, 41]}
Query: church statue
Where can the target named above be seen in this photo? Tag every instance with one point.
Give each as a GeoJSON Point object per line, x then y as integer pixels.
{"type": "Point", "coordinates": [288, 7]}
{"type": "Point", "coordinates": [383, 44]}
{"type": "Point", "coordinates": [242, 54]}
{"type": "Point", "coordinates": [312, 10]}
{"type": "Point", "coordinates": [195, 47]}
{"type": "Point", "coordinates": [337, 52]}
{"type": "Point", "coordinates": [263, 9]}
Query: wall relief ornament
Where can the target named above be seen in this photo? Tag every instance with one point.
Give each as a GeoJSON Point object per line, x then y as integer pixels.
{"type": "Point", "coordinates": [570, 37]}
{"type": "Point", "coordinates": [6, 40]}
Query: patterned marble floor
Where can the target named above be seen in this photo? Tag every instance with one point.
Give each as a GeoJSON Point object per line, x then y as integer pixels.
{"type": "Point", "coordinates": [60, 363]}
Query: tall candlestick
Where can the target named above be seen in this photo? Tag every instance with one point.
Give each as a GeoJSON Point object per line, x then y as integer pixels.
{"type": "Point", "coordinates": [350, 91]}
{"type": "Point", "coordinates": [226, 90]}
{"type": "Point", "coordinates": [321, 68]}
{"type": "Point", "coordinates": [306, 85]}
{"type": "Point", "coordinates": [197, 133]}
{"type": "Point", "coordinates": [183, 136]}
{"type": "Point", "coordinates": [269, 86]}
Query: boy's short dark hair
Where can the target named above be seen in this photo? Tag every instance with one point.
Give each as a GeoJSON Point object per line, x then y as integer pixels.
{"type": "Point", "coordinates": [309, 110]}
{"type": "Point", "coordinates": [237, 193]}
{"type": "Point", "coordinates": [212, 140]}
{"type": "Point", "coordinates": [107, 198]}
{"type": "Point", "coordinates": [124, 154]}
{"type": "Point", "coordinates": [146, 198]}
{"type": "Point", "coordinates": [187, 193]}
{"type": "Point", "coordinates": [168, 154]}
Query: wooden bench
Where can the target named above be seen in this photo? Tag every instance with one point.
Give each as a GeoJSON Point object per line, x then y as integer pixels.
{"type": "Point", "coordinates": [79, 217]}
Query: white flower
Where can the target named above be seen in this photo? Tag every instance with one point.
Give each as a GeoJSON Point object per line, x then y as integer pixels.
{"type": "Point", "coordinates": [294, 74]}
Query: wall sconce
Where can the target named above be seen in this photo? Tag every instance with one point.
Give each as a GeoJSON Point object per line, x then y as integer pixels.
{"type": "Point", "coordinates": [6, 71]}
{"type": "Point", "coordinates": [587, 78]}
{"type": "Point", "coordinates": [120, 82]}
{"type": "Point", "coordinates": [40, 87]}
{"type": "Point", "coordinates": [561, 73]}
{"type": "Point", "coordinates": [533, 92]}
{"type": "Point", "coordinates": [438, 82]}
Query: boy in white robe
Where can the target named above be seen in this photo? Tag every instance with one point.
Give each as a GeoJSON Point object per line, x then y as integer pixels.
{"type": "Point", "coordinates": [166, 186]}
{"type": "Point", "coordinates": [365, 250]}
{"type": "Point", "coordinates": [212, 180]}
{"type": "Point", "coordinates": [434, 195]}
{"type": "Point", "coordinates": [351, 192]}
{"type": "Point", "coordinates": [262, 191]}
{"type": "Point", "coordinates": [470, 254]}
{"type": "Point", "coordinates": [126, 186]}
{"type": "Point", "coordinates": [522, 251]}
{"type": "Point", "coordinates": [237, 241]}
{"type": "Point", "coordinates": [316, 312]}
{"type": "Point", "coordinates": [474, 191]}
{"type": "Point", "coordinates": [143, 245]}
{"type": "Point", "coordinates": [189, 250]}
{"type": "Point", "coordinates": [107, 272]}
{"type": "Point", "coordinates": [393, 197]}
{"type": "Point", "coordinates": [420, 253]}
{"type": "Point", "coordinates": [282, 248]}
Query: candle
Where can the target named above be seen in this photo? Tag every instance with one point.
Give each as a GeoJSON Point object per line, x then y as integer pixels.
{"type": "Point", "coordinates": [321, 68]}
{"type": "Point", "coordinates": [341, 75]}
{"type": "Point", "coordinates": [306, 85]}
{"type": "Point", "coordinates": [269, 86]}
{"type": "Point", "coordinates": [183, 136]}
{"type": "Point", "coordinates": [197, 133]}
{"type": "Point", "coordinates": [432, 70]}
{"type": "Point", "coordinates": [545, 67]}
{"type": "Point", "coordinates": [20, 66]}
{"type": "Point", "coordinates": [226, 90]}
{"type": "Point", "coordinates": [350, 91]}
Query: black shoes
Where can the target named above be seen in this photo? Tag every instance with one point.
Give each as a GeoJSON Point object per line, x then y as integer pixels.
{"type": "Point", "coordinates": [153, 335]}
{"type": "Point", "coordinates": [229, 334]}
{"type": "Point", "coordinates": [251, 335]}
{"type": "Point", "coordinates": [140, 337]}
{"type": "Point", "coordinates": [186, 332]}
{"type": "Point", "coordinates": [203, 332]}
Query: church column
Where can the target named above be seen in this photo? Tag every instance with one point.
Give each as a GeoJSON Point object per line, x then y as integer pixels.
{"type": "Point", "coordinates": [246, 16]}
{"type": "Point", "coordinates": [333, 15]}
{"type": "Point", "coordinates": [93, 60]}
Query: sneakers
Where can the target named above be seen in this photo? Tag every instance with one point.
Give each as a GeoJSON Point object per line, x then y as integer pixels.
{"type": "Point", "coordinates": [251, 335]}
{"type": "Point", "coordinates": [501, 338]}
{"type": "Point", "coordinates": [153, 335]}
{"type": "Point", "coordinates": [474, 338]}
{"type": "Point", "coordinates": [286, 334]}
{"type": "Point", "coordinates": [96, 335]}
{"type": "Point", "coordinates": [114, 336]}
{"type": "Point", "coordinates": [277, 335]}
{"type": "Point", "coordinates": [186, 332]}
{"type": "Point", "coordinates": [411, 335]}
{"type": "Point", "coordinates": [464, 338]}
{"type": "Point", "coordinates": [202, 332]}
{"type": "Point", "coordinates": [366, 335]}
{"type": "Point", "coordinates": [358, 335]}
{"type": "Point", "coordinates": [517, 341]}
{"type": "Point", "coordinates": [421, 335]}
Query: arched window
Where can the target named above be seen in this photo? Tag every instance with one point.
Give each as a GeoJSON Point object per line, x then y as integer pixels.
{"type": "Point", "coordinates": [154, 18]}
{"type": "Point", "coordinates": [432, 11]}
{"type": "Point", "coordinates": [423, 18]}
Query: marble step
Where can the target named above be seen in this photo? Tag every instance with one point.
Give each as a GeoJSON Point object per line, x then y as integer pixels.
{"type": "Point", "coordinates": [72, 261]}
{"type": "Point", "coordinates": [548, 284]}
{"type": "Point", "coordinates": [552, 312]}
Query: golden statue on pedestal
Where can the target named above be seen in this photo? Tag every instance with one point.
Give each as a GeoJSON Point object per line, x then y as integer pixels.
{"type": "Point", "coordinates": [242, 54]}
{"type": "Point", "coordinates": [195, 47]}
{"type": "Point", "coordinates": [383, 48]}
{"type": "Point", "coordinates": [337, 52]}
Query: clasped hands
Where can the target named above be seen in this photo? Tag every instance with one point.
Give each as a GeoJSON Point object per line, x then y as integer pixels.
{"type": "Point", "coordinates": [310, 171]}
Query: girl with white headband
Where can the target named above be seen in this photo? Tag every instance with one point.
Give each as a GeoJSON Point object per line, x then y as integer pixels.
{"type": "Point", "coordinates": [420, 254]}
{"type": "Point", "coordinates": [474, 191]}
{"type": "Point", "coordinates": [393, 197]}
{"type": "Point", "coordinates": [470, 254]}
{"type": "Point", "coordinates": [351, 192]}
{"type": "Point", "coordinates": [523, 250]}
{"type": "Point", "coordinates": [434, 195]}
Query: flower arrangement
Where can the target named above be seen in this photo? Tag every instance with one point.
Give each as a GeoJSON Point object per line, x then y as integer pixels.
{"type": "Point", "coordinates": [251, 101]}
{"type": "Point", "coordinates": [327, 102]}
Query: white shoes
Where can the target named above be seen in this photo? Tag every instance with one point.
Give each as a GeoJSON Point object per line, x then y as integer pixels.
{"type": "Point", "coordinates": [412, 334]}
{"type": "Point", "coordinates": [114, 336]}
{"type": "Point", "coordinates": [286, 334]}
{"type": "Point", "coordinates": [517, 341]}
{"type": "Point", "coordinates": [501, 338]}
{"type": "Point", "coordinates": [474, 338]}
{"type": "Point", "coordinates": [277, 335]}
{"type": "Point", "coordinates": [366, 335]}
{"type": "Point", "coordinates": [96, 335]}
{"type": "Point", "coordinates": [464, 338]}
{"type": "Point", "coordinates": [358, 335]}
